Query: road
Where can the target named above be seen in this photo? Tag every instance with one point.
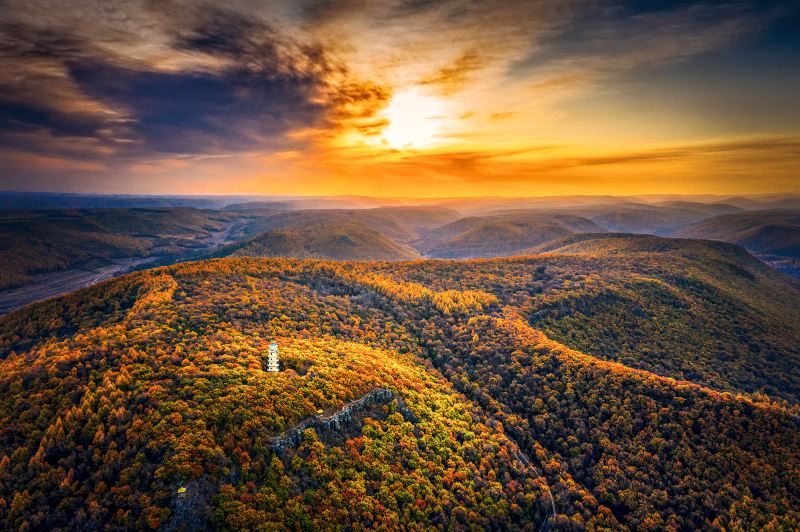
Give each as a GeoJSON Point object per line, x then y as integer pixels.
{"type": "Point", "coordinates": [47, 285]}
{"type": "Point", "coordinates": [53, 284]}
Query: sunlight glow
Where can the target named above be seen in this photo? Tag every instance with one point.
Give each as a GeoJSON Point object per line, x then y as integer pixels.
{"type": "Point", "coordinates": [414, 119]}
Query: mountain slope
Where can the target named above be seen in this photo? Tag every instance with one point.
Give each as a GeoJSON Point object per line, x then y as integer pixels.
{"type": "Point", "coordinates": [762, 232]}
{"type": "Point", "coordinates": [187, 433]}
{"type": "Point", "coordinates": [774, 235]}
{"type": "Point", "coordinates": [335, 241]}
{"type": "Point", "coordinates": [403, 224]}
{"type": "Point", "coordinates": [628, 215]}
{"type": "Point", "coordinates": [500, 235]}
{"type": "Point", "coordinates": [703, 311]}
{"type": "Point", "coordinates": [658, 219]}
{"type": "Point", "coordinates": [34, 242]}
{"type": "Point", "coordinates": [116, 397]}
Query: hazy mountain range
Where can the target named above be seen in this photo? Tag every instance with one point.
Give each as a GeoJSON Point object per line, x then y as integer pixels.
{"type": "Point", "coordinates": [48, 251]}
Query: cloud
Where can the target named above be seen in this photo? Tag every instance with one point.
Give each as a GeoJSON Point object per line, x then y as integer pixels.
{"type": "Point", "coordinates": [249, 85]}
{"type": "Point", "coordinates": [609, 40]}
{"type": "Point", "coordinates": [200, 112]}
{"type": "Point", "coordinates": [451, 78]}
{"type": "Point", "coordinates": [142, 81]}
{"type": "Point", "coordinates": [753, 151]}
{"type": "Point", "coordinates": [547, 163]}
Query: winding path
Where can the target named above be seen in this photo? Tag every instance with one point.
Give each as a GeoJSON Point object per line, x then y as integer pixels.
{"type": "Point", "coordinates": [522, 457]}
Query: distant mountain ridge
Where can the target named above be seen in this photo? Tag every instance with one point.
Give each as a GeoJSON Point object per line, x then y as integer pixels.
{"type": "Point", "coordinates": [773, 232]}
{"type": "Point", "coordinates": [773, 235]}
{"type": "Point", "coordinates": [72, 247]}
{"type": "Point", "coordinates": [466, 205]}
{"type": "Point", "coordinates": [500, 235]}
{"type": "Point", "coordinates": [334, 241]}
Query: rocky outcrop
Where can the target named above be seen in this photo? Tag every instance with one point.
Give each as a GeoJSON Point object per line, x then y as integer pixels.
{"type": "Point", "coordinates": [190, 505]}
{"type": "Point", "coordinates": [345, 421]}
{"type": "Point", "coordinates": [190, 509]}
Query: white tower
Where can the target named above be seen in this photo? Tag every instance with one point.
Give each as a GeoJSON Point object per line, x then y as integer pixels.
{"type": "Point", "coordinates": [272, 357]}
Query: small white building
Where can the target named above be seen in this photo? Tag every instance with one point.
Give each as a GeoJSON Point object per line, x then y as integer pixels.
{"type": "Point", "coordinates": [272, 357]}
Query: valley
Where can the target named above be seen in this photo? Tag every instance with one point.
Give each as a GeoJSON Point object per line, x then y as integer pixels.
{"type": "Point", "coordinates": [56, 251]}
{"type": "Point", "coordinates": [46, 285]}
{"type": "Point", "coordinates": [51, 253]}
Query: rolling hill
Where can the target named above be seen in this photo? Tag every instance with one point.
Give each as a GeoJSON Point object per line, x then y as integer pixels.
{"type": "Point", "coordinates": [143, 401]}
{"type": "Point", "coordinates": [629, 216]}
{"type": "Point", "coordinates": [340, 240]}
{"type": "Point", "coordinates": [640, 300]}
{"type": "Point", "coordinates": [50, 252]}
{"type": "Point", "coordinates": [500, 235]}
{"type": "Point", "coordinates": [403, 224]}
{"type": "Point", "coordinates": [384, 233]}
{"type": "Point", "coordinates": [762, 232]}
{"type": "Point", "coordinates": [773, 235]}
{"type": "Point", "coordinates": [658, 219]}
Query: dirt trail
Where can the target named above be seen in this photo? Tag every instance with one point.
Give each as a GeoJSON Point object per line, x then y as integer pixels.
{"type": "Point", "coordinates": [522, 457]}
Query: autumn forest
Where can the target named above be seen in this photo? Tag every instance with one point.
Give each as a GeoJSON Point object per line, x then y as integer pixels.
{"type": "Point", "coordinates": [585, 388]}
{"type": "Point", "coordinates": [399, 265]}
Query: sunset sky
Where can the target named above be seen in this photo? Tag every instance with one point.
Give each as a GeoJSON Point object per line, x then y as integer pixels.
{"type": "Point", "coordinates": [400, 97]}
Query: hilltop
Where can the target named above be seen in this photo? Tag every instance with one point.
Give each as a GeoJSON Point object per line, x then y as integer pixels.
{"type": "Point", "coordinates": [659, 218]}
{"type": "Point", "coordinates": [702, 311]}
{"type": "Point", "coordinates": [772, 235]}
{"type": "Point", "coordinates": [336, 241]}
{"type": "Point", "coordinates": [403, 224]}
{"type": "Point", "coordinates": [501, 235]}
{"type": "Point", "coordinates": [116, 397]}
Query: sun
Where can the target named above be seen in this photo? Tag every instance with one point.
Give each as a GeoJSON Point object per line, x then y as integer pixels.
{"type": "Point", "coordinates": [414, 119]}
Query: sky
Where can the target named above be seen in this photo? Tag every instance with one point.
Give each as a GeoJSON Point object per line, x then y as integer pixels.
{"type": "Point", "coordinates": [415, 98]}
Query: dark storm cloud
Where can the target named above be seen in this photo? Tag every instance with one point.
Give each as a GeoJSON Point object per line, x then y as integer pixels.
{"type": "Point", "coordinates": [24, 41]}
{"type": "Point", "coordinates": [264, 89]}
{"type": "Point", "coordinates": [225, 33]}
{"type": "Point", "coordinates": [23, 117]}
{"type": "Point", "coordinates": [190, 112]}
{"type": "Point", "coordinates": [35, 101]}
{"type": "Point", "coordinates": [253, 87]}
{"type": "Point", "coordinates": [159, 81]}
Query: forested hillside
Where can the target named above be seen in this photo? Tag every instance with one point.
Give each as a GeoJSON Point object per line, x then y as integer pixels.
{"type": "Point", "coordinates": [774, 236]}
{"type": "Point", "coordinates": [339, 240]}
{"type": "Point", "coordinates": [42, 241]}
{"type": "Point", "coordinates": [143, 401]}
{"type": "Point", "coordinates": [501, 235]}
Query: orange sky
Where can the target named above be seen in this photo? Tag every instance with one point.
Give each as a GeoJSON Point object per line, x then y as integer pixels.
{"type": "Point", "coordinates": [399, 98]}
